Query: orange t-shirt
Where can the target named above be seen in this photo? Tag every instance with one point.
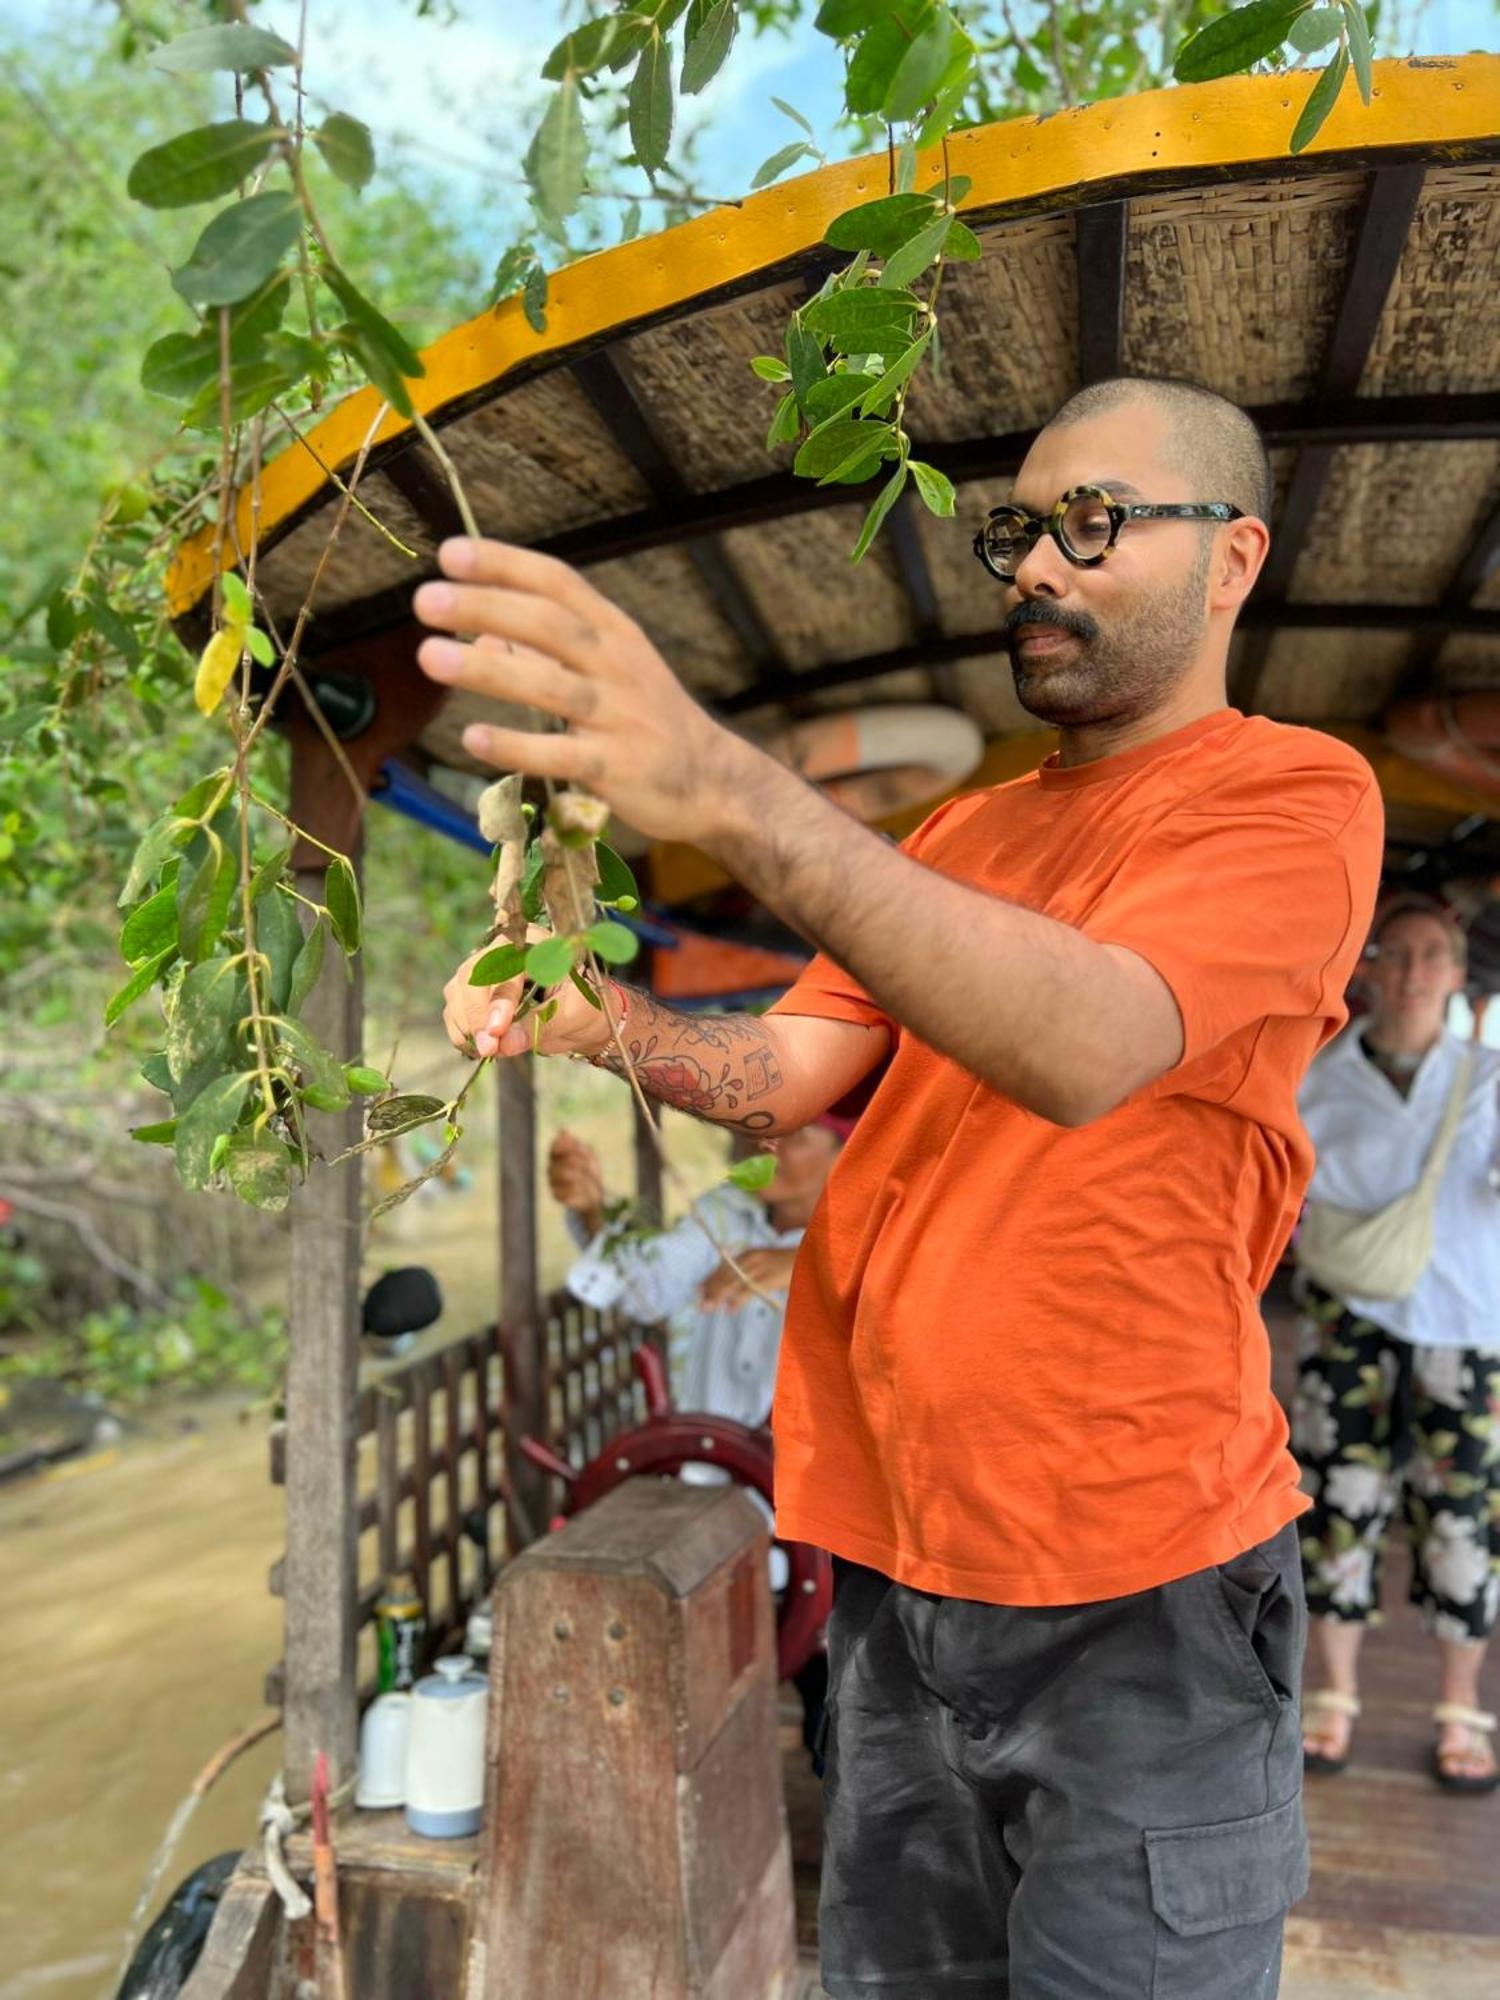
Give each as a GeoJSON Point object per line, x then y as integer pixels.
{"type": "Point", "coordinates": [1025, 1364]}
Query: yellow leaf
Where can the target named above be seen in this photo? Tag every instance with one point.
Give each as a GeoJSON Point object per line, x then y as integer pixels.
{"type": "Point", "coordinates": [216, 669]}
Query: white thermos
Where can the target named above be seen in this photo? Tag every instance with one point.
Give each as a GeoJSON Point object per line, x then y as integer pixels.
{"type": "Point", "coordinates": [445, 1751]}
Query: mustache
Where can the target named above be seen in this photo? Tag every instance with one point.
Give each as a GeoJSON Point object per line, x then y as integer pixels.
{"type": "Point", "coordinates": [1041, 613]}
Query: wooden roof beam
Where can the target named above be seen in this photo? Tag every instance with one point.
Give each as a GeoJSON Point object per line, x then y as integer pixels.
{"type": "Point", "coordinates": [608, 382]}
{"type": "Point", "coordinates": [1390, 207]}
{"type": "Point", "coordinates": [1100, 257]}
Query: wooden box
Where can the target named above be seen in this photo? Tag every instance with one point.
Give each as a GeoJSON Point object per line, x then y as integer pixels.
{"type": "Point", "coordinates": [635, 1841]}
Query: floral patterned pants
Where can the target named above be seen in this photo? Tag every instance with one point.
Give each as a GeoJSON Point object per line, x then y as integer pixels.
{"type": "Point", "coordinates": [1377, 1417]}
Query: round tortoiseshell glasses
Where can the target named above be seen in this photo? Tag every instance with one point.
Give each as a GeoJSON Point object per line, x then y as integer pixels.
{"type": "Point", "coordinates": [1085, 524]}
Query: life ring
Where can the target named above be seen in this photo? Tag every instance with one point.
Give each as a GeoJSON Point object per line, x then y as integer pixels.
{"type": "Point", "coordinates": [876, 761]}
{"type": "Point", "coordinates": [1458, 735]}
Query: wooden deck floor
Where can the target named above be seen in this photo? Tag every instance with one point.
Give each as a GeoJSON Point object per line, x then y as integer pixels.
{"type": "Point", "coordinates": [1405, 1897]}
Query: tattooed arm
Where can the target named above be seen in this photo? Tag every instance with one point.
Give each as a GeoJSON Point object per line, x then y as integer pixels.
{"type": "Point", "coordinates": [758, 1074]}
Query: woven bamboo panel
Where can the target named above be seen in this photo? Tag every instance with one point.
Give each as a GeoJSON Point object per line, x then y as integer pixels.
{"type": "Point", "coordinates": [539, 460]}
{"type": "Point", "coordinates": [970, 598]}
{"type": "Point", "coordinates": [1440, 329]}
{"type": "Point", "coordinates": [1468, 662]}
{"type": "Point", "coordinates": [911, 685]}
{"type": "Point", "coordinates": [1332, 676]}
{"type": "Point", "coordinates": [710, 410]}
{"type": "Point", "coordinates": [1238, 286]}
{"type": "Point", "coordinates": [362, 561]}
{"type": "Point", "coordinates": [1487, 597]}
{"type": "Point", "coordinates": [1009, 336]}
{"type": "Point", "coordinates": [1395, 522]}
{"type": "Point", "coordinates": [819, 606]}
{"type": "Point", "coordinates": [662, 590]}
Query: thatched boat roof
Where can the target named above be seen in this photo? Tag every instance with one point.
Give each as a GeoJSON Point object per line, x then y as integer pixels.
{"type": "Point", "coordinates": [1346, 297]}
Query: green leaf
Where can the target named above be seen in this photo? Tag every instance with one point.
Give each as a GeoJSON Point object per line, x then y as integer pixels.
{"type": "Point", "coordinates": [877, 60]}
{"type": "Point", "coordinates": [201, 1021]}
{"type": "Point", "coordinates": [201, 793]}
{"type": "Point", "coordinates": [212, 1115]}
{"type": "Point", "coordinates": [201, 165]}
{"type": "Point", "coordinates": [534, 299]}
{"type": "Point", "coordinates": [393, 1115]}
{"type": "Point", "coordinates": [962, 245]}
{"type": "Point", "coordinates": [308, 965]}
{"type": "Point", "coordinates": [1315, 29]}
{"type": "Point", "coordinates": [160, 841]}
{"type": "Point", "coordinates": [913, 258]}
{"type": "Point", "coordinates": [140, 981]}
{"type": "Point", "coordinates": [1030, 77]}
{"type": "Point", "coordinates": [1236, 40]}
{"type": "Point", "coordinates": [791, 111]}
{"type": "Point", "coordinates": [1361, 54]}
{"type": "Point", "coordinates": [839, 445]}
{"type": "Point", "coordinates": [161, 1134]}
{"type": "Point", "coordinates": [506, 961]}
{"type": "Point", "coordinates": [261, 649]}
{"type": "Point", "coordinates": [237, 600]}
{"type": "Point", "coordinates": [62, 621]}
{"type": "Point", "coordinates": [364, 1081]}
{"type": "Point", "coordinates": [151, 929]}
{"type": "Point", "coordinates": [804, 354]}
{"type": "Point", "coordinates": [347, 148]}
{"type": "Point", "coordinates": [239, 250]}
{"type": "Point", "coordinates": [755, 1173]}
{"type": "Point", "coordinates": [651, 104]}
{"type": "Point", "coordinates": [921, 70]}
{"type": "Point", "coordinates": [610, 38]}
{"type": "Point", "coordinates": [269, 872]}
{"type": "Point", "coordinates": [776, 166]}
{"type": "Point", "coordinates": [710, 32]}
{"type": "Point", "coordinates": [111, 627]}
{"type": "Point", "coordinates": [786, 425]}
{"type": "Point", "coordinates": [278, 935]}
{"type": "Point", "coordinates": [1321, 100]}
{"type": "Point", "coordinates": [550, 960]}
{"type": "Point", "coordinates": [322, 1072]}
{"type": "Point", "coordinates": [885, 500]}
{"type": "Point", "coordinates": [935, 487]}
{"type": "Point", "coordinates": [837, 393]}
{"type": "Point", "coordinates": [510, 272]}
{"type": "Point", "coordinates": [341, 895]}
{"type": "Point", "coordinates": [879, 399]}
{"type": "Point", "coordinates": [557, 160]}
{"type": "Point", "coordinates": [157, 1071]}
{"type": "Point", "coordinates": [259, 1169]}
{"type": "Point", "coordinates": [949, 101]}
{"type": "Point", "coordinates": [863, 322]}
{"type": "Point", "coordinates": [236, 47]}
{"type": "Point", "coordinates": [531, 883]}
{"type": "Point", "coordinates": [615, 877]}
{"type": "Point", "coordinates": [769, 367]}
{"type": "Point", "coordinates": [372, 322]}
{"type": "Point", "coordinates": [612, 942]}
{"type": "Point", "coordinates": [182, 365]}
{"type": "Point", "coordinates": [204, 888]}
{"type": "Point", "coordinates": [843, 18]}
{"type": "Point", "coordinates": [882, 226]}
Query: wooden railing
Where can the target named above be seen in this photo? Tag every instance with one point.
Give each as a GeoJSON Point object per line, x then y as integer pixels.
{"type": "Point", "coordinates": [436, 1439]}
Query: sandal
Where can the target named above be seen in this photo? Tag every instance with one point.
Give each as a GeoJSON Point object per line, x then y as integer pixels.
{"type": "Point", "coordinates": [1454, 1714]}
{"type": "Point", "coordinates": [1326, 1702]}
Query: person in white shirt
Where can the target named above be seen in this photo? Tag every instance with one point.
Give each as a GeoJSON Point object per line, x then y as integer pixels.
{"type": "Point", "coordinates": [724, 1337]}
{"type": "Point", "coordinates": [1402, 1395]}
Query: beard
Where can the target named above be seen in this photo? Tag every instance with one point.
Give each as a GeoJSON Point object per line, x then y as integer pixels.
{"type": "Point", "coordinates": [1107, 674]}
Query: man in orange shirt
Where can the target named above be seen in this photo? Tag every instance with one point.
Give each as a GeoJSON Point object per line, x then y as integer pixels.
{"type": "Point", "coordinates": [1024, 1394]}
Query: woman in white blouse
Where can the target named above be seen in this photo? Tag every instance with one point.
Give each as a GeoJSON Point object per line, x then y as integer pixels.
{"type": "Point", "coordinates": [1400, 1397]}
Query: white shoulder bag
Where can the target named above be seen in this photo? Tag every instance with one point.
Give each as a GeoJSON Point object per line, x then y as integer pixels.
{"type": "Point", "coordinates": [1381, 1256]}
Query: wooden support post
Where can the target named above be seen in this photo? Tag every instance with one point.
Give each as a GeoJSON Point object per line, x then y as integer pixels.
{"type": "Point", "coordinates": [322, 1530]}
{"type": "Point", "coordinates": [648, 1174]}
{"type": "Point", "coordinates": [635, 1839]}
{"type": "Point", "coordinates": [522, 1330]}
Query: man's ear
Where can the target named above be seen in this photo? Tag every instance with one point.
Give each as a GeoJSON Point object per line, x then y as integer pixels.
{"type": "Point", "coordinates": [1237, 562]}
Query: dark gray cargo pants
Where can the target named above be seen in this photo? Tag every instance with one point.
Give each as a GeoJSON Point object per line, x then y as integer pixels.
{"type": "Point", "coordinates": [1088, 1802]}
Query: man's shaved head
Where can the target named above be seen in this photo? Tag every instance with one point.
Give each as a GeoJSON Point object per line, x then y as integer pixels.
{"type": "Point", "coordinates": [1210, 441]}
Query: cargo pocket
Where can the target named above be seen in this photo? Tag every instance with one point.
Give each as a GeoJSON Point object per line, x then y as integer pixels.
{"type": "Point", "coordinates": [1220, 1894]}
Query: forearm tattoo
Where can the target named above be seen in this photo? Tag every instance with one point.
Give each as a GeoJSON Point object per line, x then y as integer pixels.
{"type": "Point", "coordinates": [714, 1067]}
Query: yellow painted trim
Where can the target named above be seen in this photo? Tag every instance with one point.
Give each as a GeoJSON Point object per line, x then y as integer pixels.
{"type": "Point", "coordinates": [1233, 123]}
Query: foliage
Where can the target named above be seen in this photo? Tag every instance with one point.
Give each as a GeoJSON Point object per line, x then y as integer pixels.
{"type": "Point", "coordinates": [201, 1339]}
